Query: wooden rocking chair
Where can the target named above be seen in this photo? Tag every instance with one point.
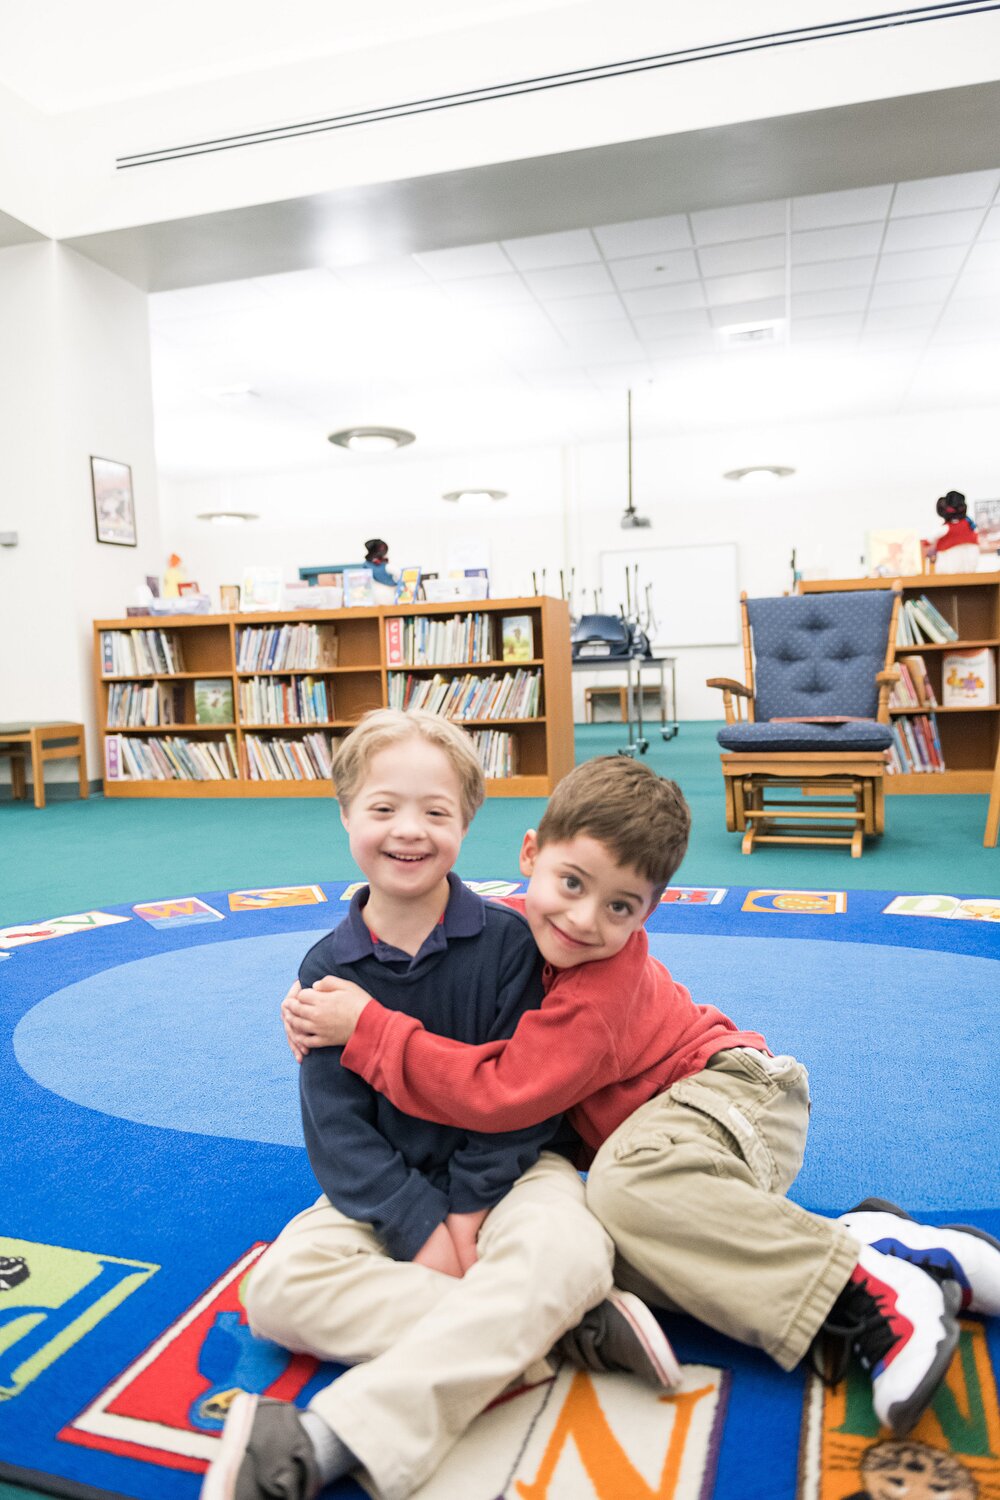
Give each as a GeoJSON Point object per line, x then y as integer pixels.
{"type": "Point", "coordinates": [812, 719]}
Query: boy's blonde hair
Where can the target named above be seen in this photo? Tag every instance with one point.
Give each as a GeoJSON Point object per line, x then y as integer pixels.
{"type": "Point", "coordinates": [383, 727]}
{"type": "Point", "coordinates": [640, 817]}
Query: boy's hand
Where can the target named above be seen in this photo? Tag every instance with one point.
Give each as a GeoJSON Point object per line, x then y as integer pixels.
{"type": "Point", "coordinates": [323, 1016]}
{"type": "Point", "coordinates": [437, 1253]}
{"type": "Point", "coordinates": [464, 1230]}
{"type": "Point", "coordinates": [295, 1040]}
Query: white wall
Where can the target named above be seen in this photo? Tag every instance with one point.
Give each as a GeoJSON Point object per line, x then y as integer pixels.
{"type": "Point", "coordinates": [564, 509]}
{"type": "Point", "coordinates": [74, 381]}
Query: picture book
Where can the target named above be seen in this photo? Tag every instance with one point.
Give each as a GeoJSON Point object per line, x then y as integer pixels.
{"type": "Point", "coordinates": [213, 701]}
{"type": "Point", "coordinates": [518, 637]}
{"type": "Point", "coordinates": [969, 679]}
{"type": "Point", "coordinates": [359, 589]}
{"type": "Point", "coordinates": [260, 589]}
{"type": "Point", "coordinates": [408, 587]}
{"type": "Point", "coordinates": [894, 554]}
{"type": "Point", "coordinates": [986, 514]}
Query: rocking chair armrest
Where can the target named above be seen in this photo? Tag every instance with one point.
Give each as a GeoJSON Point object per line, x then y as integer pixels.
{"type": "Point", "coordinates": [729, 683]}
{"type": "Point", "coordinates": [889, 676]}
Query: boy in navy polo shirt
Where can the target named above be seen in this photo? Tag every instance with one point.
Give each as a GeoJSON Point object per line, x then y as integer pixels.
{"type": "Point", "coordinates": [440, 1263]}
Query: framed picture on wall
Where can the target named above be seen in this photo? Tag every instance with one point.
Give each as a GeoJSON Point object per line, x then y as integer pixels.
{"type": "Point", "coordinates": [114, 503]}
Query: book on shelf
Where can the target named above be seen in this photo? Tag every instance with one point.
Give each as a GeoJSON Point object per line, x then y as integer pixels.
{"type": "Point", "coordinates": [260, 589]}
{"type": "Point", "coordinates": [913, 690]}
{"type": "Point", "coordinates": [170, 758]}
{"type": "Point", "coordinates": [213, 700]}
{"type": "Point", "coordinates": [394, 643]}
{"type": "Point", "coordinates": [140, 653]}
{"type": "Point", "coordinates": [283, 648]}
{"type": "Point", "coordinates": [937, 619]}
{"type": "Point", "coordinates": [496, 751]}
{"type": "Point", "coordinates": [273, 758]}
{"type": "Point", "coordinates": [408, 586]}
{"type": "Point", "coordinates": [987, 518]}
{"type": "Point", "coordinates": [517, 637]}
{"type": "Point", "coordinates": [273, 700]}
{"type": "Point", "coordinates": [422, 640]}
{"type": "Point", "coordinates": [359, 588]}
{"type": "Point", "coordinates": [968, 679]}
{"type": "Point", "coordinates": [138, 705]}
{"type": "Point", "coordinates": [919, 622]}
{"type": "Point", "coordinates": [893, 553]}
{"type": "Point", "coordinates": [512, 695]}
{"type": "Point", "coordinates": [916, 745]}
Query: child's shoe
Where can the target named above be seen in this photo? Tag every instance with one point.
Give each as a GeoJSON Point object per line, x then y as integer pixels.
{"type": "Point", "coordinates": [621, 1334]}
{"type": "Point", "coordinates": [902, 1326]}
{"type": "Point", "coordinates": [265, 1454]}
{"type": "Point", "coordinates": [954, 1252]}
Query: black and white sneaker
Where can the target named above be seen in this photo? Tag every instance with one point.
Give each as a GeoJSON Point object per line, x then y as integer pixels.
{"type": "Point", "coordinates": [948, 1252]}
{"type": "Point", "coordinates": [620, 1334]}
{"type": "Point", "coordinates": [902, 1327]}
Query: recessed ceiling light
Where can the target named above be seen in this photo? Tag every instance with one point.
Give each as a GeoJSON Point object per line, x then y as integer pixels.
{"type": "Point", "coordinates": [765, 334]}
{"type": "Point", "coordinates": [228, 517]}
{"type": "Point", "coordinates": [372, 439]}
{"type": "Point", "coordinates": [760, 473]}
{"type": "Point", "coordinates": [455, 495]}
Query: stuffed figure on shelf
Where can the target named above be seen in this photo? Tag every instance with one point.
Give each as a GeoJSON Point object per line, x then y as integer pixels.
{"type": "Point", "coordinates": [955, 548]}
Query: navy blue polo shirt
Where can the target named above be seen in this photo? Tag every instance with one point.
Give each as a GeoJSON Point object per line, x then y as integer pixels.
{"type": "Point", "coordinates": [475, 974]}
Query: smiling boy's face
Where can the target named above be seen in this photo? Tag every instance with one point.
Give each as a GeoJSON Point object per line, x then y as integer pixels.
{"type": "Point", "coordinates": [581, 904]}
{"type": "Point", "coordinates": [405, 822]}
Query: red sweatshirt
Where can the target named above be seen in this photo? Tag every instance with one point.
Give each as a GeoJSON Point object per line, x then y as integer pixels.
{"type": "Point", "coordinates": [607, 1037]}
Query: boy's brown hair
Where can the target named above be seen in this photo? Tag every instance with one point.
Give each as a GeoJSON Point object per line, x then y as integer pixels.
{"type": "Point", "coordinates": [640, 817]}
{"type": "Point", "coordinates": [383, 727]}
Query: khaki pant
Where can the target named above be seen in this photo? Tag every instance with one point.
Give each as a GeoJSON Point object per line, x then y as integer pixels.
{"type": "Point", "coordinates": [438, 1349]}
{"type": "Point", "coordinates": [691, 1188]}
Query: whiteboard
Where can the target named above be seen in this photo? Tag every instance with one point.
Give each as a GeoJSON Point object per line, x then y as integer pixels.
{"type": "Point", "coordinates": [696, 597]}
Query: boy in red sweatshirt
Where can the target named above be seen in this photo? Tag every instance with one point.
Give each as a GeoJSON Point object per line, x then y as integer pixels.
{"type": "Point", "coordinates": [698, 1131]}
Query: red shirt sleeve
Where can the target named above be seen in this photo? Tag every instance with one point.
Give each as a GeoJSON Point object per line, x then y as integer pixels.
{"type": "Point", "coordinates": [558, 1055]}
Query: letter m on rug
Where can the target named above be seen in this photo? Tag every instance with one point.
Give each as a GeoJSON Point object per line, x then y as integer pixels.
{"type": "Point", "coordinates": [52, 1299]}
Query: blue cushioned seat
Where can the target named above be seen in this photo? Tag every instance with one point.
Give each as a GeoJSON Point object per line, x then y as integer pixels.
{"type": "Point", "coordinates": [866, 735]}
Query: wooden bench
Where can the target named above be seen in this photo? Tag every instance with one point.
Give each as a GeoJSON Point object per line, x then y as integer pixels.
{"type": "Point", "coordinates": [594, 695]}
{"type": "Point", "coordinates": [43, 741]}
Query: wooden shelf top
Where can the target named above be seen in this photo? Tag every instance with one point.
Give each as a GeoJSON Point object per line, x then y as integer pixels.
{"type": "Point", "coordinates": [463, 666]}
{"type": "Point", "coordinates": [949, 646]}
{"type": "Point", "coordinates": [949, 708]}
{"type": "Point", "coordinates": [165, 729]}
{"type": "Point", "coordinates": [304, 671]}
{"type": "Point", "coordinates": [210, 673]}
{"type": "Point", "coordinates": [915, 582]}
{"type": "Point", "coordinates": [448, 610]}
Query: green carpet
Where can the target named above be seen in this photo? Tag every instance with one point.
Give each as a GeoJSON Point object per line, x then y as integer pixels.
{"type": "Point", "coordinates": [74, 855]}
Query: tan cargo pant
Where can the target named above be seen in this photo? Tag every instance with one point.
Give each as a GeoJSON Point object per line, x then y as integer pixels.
{"type": "Point", "coordinates": [437, 1349]}
{"type": "Point", "coordinates": [691, 1188]}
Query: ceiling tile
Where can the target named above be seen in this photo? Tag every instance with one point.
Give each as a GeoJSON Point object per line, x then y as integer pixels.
{"type": "Point", "coordinates": [841, 299]}
{"type": "Point", "coordinates": [925, 231]}
{"type": "Point", "coordinates": [403, 272]}
{"type": "Point", "coordinates": [908, 265]}
{"type": "Point", "coordinates": [599, 342]}
{"type": "Point", "coordinates": [743, 255]}
{"type": "Point", "coordinates": [654, 270]}
{"type": "Point", "coordinates": [568, 311]}
{"type": "Point", "coordinates": [733, 314]}
{"type": "Point", "coordinates": [902, 317]}
{"type": "Point", "coordinates": [744, 222]}
{"type": "Point", "coordinates": [570, 281]}
{"type": "Point", "coordinates": [220, 297]}
{"type": "Point", "coordinates": [854, 206]}
{"type": "Point", "coordinates": [977, 284]}
{"type": "Point", "coordinates": [620, 377]}
{"type": "Point", "coordinates": [574, 247]}
{"type": "Point", "coordinates": [833, 273]}
{"type": "Point", "coordinates": [666, 352]}
{"type": "Point", "coordinates": [835, 244]}
{"type": "Point", "coordinates": [991, 225]}
{"type": "Point", "coordinates": [659, 299]}
{"type": "Point", "coordinates": [984, 257]}
{"type": "Point", "coordinates": [644, 236]}
{"type": "Point", "coordinates": [489, 291]}
{"type": "Point", "coordinates": [933, 290]}
{"type": "Point", "coordinates": [839, 326]}
{"type": "Point", "coordinates": [751, 287]}
{"type": "Point", "coordinates": [939, 194]}
{"type": "Point", "coordinates": [464, 261]}
{"type": "Point", "coordinates": [672, 325]}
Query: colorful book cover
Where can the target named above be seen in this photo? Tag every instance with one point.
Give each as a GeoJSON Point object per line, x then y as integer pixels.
{"type": "Point", "coordinates": [113, 757]}
{"type": "Point", "coordinates": [213, 701]}
{"type": "Point", "coordinates": [969, 679]}
{"type": "Point", "coordinates": [394, 642]}
{"type": "Point", "coordinates": [359, 588]}
{"type": "Point", "coordinates": [987, 518]}
{"type": "Point", "coordinates": [894, 554]}
{"type": "Point", "coordinates": [408, 587]}
{"type": "Point", "coordinates": [517, 637]}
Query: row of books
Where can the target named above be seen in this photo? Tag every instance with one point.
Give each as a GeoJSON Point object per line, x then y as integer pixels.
{"type": "Point", "coordinates": [276, 759]}
{"type": "Point", "coordinates": [512, 695]}
{"type": "Point", "coordinates": [134, 705]}
{"type": "Point", "coordinates": [920, 621]}
{"type": "Point", "coordinates": [169, 758]}
{"type": "Point", "coordinates": [916, 745]}
{"type": "Point", "coordinates": [301, 700]}
{"type": "Point", "coordinates": [140, 653]}
{"type": "Point", "coordinates": [267, 648]}
{"type": "Point", "coordinates": [496, 751]}
{"type": "Point", "coordinates": [415, 641]}
{"type": "Point", "coordinates": [913, 690]}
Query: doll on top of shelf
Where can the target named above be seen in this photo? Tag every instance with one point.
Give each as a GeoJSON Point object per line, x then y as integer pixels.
{"type": "Point", "coordinates": [955, 548]}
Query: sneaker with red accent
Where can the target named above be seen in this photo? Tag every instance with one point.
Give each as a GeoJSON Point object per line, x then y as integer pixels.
{"type": "Point", "coordinates": [902, 1327]}
{"type": "Point", "coordinates": [948, 1252]}
{"type": "Point", "coordinates": [621, 1334]}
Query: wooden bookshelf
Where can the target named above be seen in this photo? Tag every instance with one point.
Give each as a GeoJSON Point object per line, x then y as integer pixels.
{"type": "Point", "coordinates": [969, 736]}
{"type": "Point", "coordinates": [358, 682]}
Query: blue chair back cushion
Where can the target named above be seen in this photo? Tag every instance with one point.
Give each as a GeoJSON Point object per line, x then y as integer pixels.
{"type": "Point", "coordinates": [868, 735]}
{"type": "Point", "coordinates": [819, 653]}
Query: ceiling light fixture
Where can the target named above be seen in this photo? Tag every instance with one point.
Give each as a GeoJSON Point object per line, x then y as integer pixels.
{"type": "Point", "coordinates": [228, 517]}
{"type": "Point", "coordinates": [760, 473]}
{"type": "Point", "coordinates": [456, 495]}
{"type": "Point", "coordinates": [631, 517]}
{"type": "Point", "coordinates": [372, 439]}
